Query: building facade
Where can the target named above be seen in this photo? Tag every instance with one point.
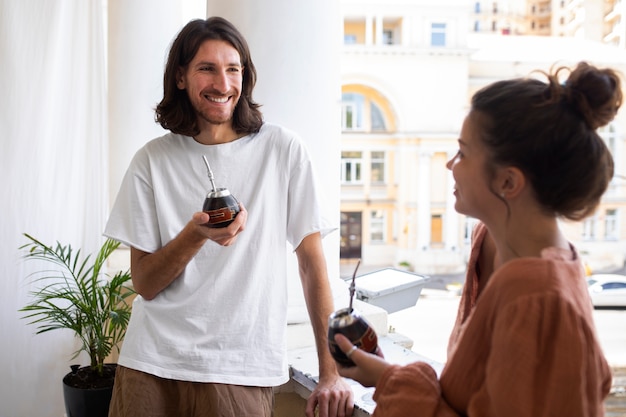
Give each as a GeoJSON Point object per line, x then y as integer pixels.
{"type": "Point", "coordinates": [409, 69]}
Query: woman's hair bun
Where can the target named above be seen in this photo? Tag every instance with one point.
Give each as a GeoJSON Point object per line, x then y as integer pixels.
{"type": "Point", "coordinates": [595, 93]}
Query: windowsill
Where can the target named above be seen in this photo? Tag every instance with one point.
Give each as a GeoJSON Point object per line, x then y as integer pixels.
{"type": "Point", "coordinates": [304, 378]}
{"type": "Point", "coordinates": [303, 361]}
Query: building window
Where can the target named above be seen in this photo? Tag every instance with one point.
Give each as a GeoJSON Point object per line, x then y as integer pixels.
{"type": "Point", "coordinates": [610, 137]}
{"type": "Point", "coordinates": [438, 34]}
{"type": "Point", "coordinates": [436, 229]}
{"type": "Point", "coordinates": [476, 26]}
{"type": "Point", "coordinates": [470, 223]}
{"type": "Point", "coordinates": [388, 37]}
{"type": "Point", "coordinates": [349, 39]}
{"type": "Point", "coordinates": [356, 108]}
{"type": "Point", "coordinates": [477, 7]}
{"type": "Point", "coordinates": [610, 225]}
{"type": "Point", "coordinates": [378, 167]}
{"type": "Point", "coordinates": [377, 226]}
{"type": "Point", "coordinates": [351, 115]}
{"type": "Point", "coordinates": [589, 228]}
{"type": "Point", "coordinates": [351, 167]}
{"type": "Point", "coordinates": [352, 111]}
{"type": "Point", "coordinates": [377, 119]}
{"type": "Point", "coordinates": [609, 134]}
{"type": "Point", "coordinates": [350, 246]}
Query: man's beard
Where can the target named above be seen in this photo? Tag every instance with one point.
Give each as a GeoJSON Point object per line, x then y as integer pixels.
{"type": "Point", "coordinates": [216, 120]}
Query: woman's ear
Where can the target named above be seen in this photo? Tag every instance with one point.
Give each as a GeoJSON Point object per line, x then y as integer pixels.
{"type": "Point", "coordinates": [511, 181]}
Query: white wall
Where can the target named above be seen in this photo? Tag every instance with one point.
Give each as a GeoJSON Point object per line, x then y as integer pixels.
{"type": "Point", "coordinates": [54, 161]}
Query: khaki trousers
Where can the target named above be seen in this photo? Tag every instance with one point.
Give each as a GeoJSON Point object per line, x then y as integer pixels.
{"type": "Point", "coordinates": [138, 394]}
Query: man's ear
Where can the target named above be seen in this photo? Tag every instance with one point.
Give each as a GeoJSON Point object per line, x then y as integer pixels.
{"type": "Point", "coordinates": [180, 80]}
{"type": "Point", "coordinates": [510, 182]}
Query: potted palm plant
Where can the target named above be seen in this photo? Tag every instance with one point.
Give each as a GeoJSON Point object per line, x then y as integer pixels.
{"type": "Point", "coordinates": [76, 294]}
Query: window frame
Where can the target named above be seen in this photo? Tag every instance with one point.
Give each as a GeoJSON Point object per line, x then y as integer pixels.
{"type": "Point", "coordinates": [351, 168]}
{"type": "Point", "coordinates": [378, 226]}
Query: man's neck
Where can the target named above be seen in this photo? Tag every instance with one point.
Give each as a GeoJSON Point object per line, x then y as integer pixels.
{"type": "Point", "coordinates": [215, 134]}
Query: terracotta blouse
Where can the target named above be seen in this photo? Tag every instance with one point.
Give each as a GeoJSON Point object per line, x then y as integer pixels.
{"type": "Point", "coordinates": [526, 347]}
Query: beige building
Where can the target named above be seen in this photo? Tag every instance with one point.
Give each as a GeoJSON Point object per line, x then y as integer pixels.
{"type": "Point", "coordinates": [408, 71]}
{"type": "Point", "coordinates": [598, 20]}
{"type": "Point", "coordinates": [500, 17]}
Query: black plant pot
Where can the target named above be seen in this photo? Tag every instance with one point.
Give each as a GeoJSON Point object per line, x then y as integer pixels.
{"type": "Point", "coordinates": [87, 401]}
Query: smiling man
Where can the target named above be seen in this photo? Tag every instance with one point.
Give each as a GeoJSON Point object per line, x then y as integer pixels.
{"type": "Point", "coordinates": [207, 336]}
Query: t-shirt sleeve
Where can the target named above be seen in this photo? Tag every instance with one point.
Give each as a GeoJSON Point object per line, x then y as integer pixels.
{"type": "Point", "coordinates": [305, 211]}
{"type": "Point", "coordinates": [133, 218]}
{"type": "Point", "coordinates": [411, 390]}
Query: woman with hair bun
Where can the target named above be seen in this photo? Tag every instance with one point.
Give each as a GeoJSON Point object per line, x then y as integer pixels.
{"type": "Point", "coordinates": [524, 343]}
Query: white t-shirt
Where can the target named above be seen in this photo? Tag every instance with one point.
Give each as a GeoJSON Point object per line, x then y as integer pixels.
{"type": "Point", "coordinates": [224, 319]}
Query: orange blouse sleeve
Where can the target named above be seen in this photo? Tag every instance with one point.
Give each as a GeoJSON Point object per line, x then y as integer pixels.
{"type": "Point", "coordinates": [411, 390]}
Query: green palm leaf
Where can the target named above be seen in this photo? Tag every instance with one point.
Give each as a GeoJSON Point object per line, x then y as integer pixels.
{"type": "Point", "coordinates": [77, 295]}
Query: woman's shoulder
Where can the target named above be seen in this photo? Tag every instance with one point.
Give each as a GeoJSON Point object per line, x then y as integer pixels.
{"type": "Point", "coordinates": [529, 278]}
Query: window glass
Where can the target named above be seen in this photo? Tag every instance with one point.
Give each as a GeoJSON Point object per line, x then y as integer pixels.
{"type": "Point", "coordinates": [377, 226]}
{"type": "Point", "coordinates": [351, 167]}
{"type": "Point", "coordinates": [378, 121]}
{"type": "Point", "coordinates": [609, 134]}
{"type": "Point", "coordinates": [436, 228]}
{"type": "Point", "coordinates": [387, 37]}
{"type": "Point", "coordinates": [470, 223]}
{"type": "Point", "coordinates": [438, 34]}
{"type": "Point", "coordinates": [378, 167]}
{"type": "Point", "coordinates": [352, 110]}
{"type": "Point", "coordinates": [613, 286]}
{"type": "Point", "coordinates": [589, 228]}
{"type": "Point", "coordinates": [610, 225]}
{"type": "Point", "coordinates": [355, 107]}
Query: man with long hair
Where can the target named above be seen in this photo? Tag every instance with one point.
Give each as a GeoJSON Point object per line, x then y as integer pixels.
{"type": "Point", "coordinates": [207, 336]}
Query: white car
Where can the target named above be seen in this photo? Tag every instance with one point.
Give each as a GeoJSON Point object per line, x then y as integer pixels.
{"type": "Point", "coordinates": [607, 290]}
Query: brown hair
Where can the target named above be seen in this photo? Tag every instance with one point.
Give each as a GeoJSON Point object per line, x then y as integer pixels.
{"type": "Point", "coordinates": [175, 111]}
{"type": "Point", "coordinates": [548, 130]}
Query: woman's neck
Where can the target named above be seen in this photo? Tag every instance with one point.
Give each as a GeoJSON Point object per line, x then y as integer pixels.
{"type": "Point", "coordinates": [518, 239]}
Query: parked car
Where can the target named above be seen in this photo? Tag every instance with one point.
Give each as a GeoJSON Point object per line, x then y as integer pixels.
{"type": "Point", "coordinates": [607, 290]}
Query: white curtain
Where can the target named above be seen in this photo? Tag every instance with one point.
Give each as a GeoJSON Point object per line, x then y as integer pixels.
{"type": "Point", "coordinates": [53, 170]}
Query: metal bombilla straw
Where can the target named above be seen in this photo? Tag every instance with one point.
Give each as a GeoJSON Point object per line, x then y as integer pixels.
{"type": "Point", "coordinates": [352, 285]}
{"type": "Point", "coordinates": [208, 167]}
